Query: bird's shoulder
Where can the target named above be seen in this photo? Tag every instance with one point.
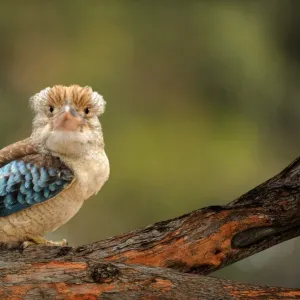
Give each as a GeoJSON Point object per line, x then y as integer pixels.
{"type": "Point", "coordinates": [17, 150]}
{"type": "Point", "coordinates": [30, 180]}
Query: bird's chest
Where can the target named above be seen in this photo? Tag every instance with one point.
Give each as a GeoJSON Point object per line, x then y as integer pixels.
{"type": "Point", "coordinates": [90, 176]}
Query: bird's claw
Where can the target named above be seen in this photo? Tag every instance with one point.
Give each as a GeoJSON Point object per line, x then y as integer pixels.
{"type": "Point", "coordinates": [64, 242]}
{"type": "Point", "coordinates": [37, 240]}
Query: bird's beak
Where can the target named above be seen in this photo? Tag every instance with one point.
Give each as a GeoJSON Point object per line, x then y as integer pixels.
{"type": "Point", "coordinates": [68, 119]}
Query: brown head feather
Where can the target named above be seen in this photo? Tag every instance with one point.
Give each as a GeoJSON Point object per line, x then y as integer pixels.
{"type": "Point", "coordinates": [80, 97]}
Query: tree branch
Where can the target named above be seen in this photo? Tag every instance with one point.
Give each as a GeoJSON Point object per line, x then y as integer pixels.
{"type": "Point", "coordinates": [207, 239]}
{"type": "Point", "coordinates": [199, 242]}
{"type": "Point", "coordinates": [90, 280]}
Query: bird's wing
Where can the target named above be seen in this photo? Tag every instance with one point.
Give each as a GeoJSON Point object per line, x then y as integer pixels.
{"type": "Point", "coordinates": [16, 150]}
{"type": "Point", "coordinates": [31, 180]}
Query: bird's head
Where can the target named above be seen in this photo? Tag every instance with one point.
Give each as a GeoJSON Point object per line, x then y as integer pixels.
{"type": "Point", "coordinates": [66, 119]}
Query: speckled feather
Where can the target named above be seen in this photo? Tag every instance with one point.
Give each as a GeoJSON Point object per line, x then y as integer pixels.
{"type": "Point", "coordinates": [31, 180]}
{"type": "Point", "coordinates": [17, 150]}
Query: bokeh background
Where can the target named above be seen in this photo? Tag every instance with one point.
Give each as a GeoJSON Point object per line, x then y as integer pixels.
{"type": "Point", "coordinates": [203, 104]}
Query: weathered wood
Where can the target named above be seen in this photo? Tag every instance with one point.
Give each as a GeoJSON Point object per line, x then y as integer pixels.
{"type": "Point", "coordinates": [204, 240]}
{"type": "Point", "coordinates": [90, 280]}
{"type": "Point", "coordinates": [199, 242]}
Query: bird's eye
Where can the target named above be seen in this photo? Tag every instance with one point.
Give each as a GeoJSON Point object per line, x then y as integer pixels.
{"type": "Point", "coordinates": [51, 108]}
{"type": "Point", "coordinates": [87, 110]}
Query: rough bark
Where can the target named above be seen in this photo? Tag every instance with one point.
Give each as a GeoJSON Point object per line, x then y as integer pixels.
{"type": "Point", "coordinates": [90, 280]}
{"type": "Point", "coordinates": [199, 242]}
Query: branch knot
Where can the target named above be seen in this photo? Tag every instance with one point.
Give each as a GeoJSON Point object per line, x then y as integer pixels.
{"type": "Point", "coordinates": [105, 273]}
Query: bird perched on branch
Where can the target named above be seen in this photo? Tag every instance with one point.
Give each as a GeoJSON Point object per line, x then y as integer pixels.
{"type": "Point", "coordinates": [45, 178]}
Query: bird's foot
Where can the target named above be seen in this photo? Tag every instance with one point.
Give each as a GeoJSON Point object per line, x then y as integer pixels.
{"type": "Point", "coordinates": [64, 242]}
{"type": "Point", "coordinates": [38, 240]}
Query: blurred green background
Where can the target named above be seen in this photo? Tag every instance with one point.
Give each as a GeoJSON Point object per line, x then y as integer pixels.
{"type": "Point", "coordinates": [202, 104]}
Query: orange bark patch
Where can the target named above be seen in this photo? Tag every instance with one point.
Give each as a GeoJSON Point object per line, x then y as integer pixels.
{"type": "Point", "coordinates": [162, 284]}
{"type": "Point", "coordinates": [210, 250]}
{"type": "Point", "coordinates": [89, 291]}
{"type": "Point", "coordinates": [38, 271]}
{"type": "Point", "coordinates": [271, 292]}
{"type": "Point", "coordinates": [61, 265]}
{"type": "Point", "coordinates": [61, 290]}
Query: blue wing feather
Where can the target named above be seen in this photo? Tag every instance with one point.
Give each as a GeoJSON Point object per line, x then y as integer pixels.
{"type": "Point", "coordinates": [24, 184]}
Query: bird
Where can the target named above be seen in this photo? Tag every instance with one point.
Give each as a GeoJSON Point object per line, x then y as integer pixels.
{"type": "Point", "coordinates": [46, 178]}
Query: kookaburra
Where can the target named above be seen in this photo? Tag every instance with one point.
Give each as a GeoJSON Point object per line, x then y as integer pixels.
{"type": "Point", "coordinates": [45, 179]}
